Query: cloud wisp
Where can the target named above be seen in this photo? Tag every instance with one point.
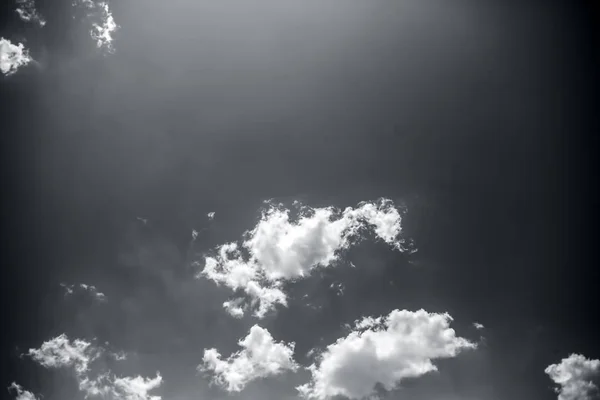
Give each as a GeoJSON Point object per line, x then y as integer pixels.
{"type": "Point", "coordinates": [103, 24]}
{"type": "Point", "coordinates": [78, 355]}
{"type": "Point", "coordinates": [283, 248]}
{"type": "Point", "coordinates": [577, 377]}
{"type": "Point", "coordinates": [261, 357]}
{"type": "Point", "coordinates": [84, 288]}
{"type": "Point", "coordinates": [21, 394]}
{"type": "Point", "coordinates": [384, 350]}
{"type": "Point", "coordinates": [28, 13]}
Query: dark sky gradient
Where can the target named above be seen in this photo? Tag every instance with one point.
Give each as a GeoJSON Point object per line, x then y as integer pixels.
{"type": "Point", "coordinates": [480, 116]}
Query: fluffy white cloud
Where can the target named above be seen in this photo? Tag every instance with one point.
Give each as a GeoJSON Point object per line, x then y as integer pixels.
{"type": "Point", "coordinates": [282, 248]}
{"type": "Point", "coordinates": [28, 13]}
{"type": "Point", "coordinates": [260, 357]}
{"type": "Point", "coordinates": [91, 289]}
{"type": "Point", "coordinates": [78, 354]}
{"type": "Point", "coordinates": [12, 56]}
{"type": "Point", "coordinates": [384, 351]}
{"type": "Point", "coordinates": [478, 326]}
{"type": "Point", "coordinates": [21, 393]}
{"type": "Point", "coordinates": [576, 376]}
{"type": "Point", "coordinates": [60, 352]}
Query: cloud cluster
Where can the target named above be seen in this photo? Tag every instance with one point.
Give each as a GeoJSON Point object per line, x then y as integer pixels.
{"type": "Point", "coordinates": [61, 352]}
{"type": "Point", "coordinates": [28, 13]}
{"type": "Point", "coordinates": [577, 377]}
{"type": "Point", "coordinates": [12, 56]}
{"type": "Point", "coordinates": [90, 289]}
{"type": "Point", "coordinates": [21, 393]}
{"type": "Point", "coordinates": [384, 350]}
{"type": "Point", "coordinates": [261, 356]}
{"type": "Point", "coordinates": [281, 248]}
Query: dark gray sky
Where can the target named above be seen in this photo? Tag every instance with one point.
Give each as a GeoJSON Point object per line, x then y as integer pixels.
{"type": "Point", "coordinates": [479, 116]}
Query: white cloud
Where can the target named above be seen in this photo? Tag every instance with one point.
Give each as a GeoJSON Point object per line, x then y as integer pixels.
{"type": "Point", "coordinates": [91, 289]}
{"type": "Point", "coordinates": [60, 352]}
{"type": "Point", "coordinates": [12, 56]}
{"type": "Point", "coordinates": [78, 354]}
{"type": "Point", "coordinates": [211, 215]}
{"type": "Point", "coordinates": [103, 25]}
{"type": "Point", "coordinates": [478, 326]}
{"type": "Point", "coordinates": [383, 350]}
{"type": "Point", "coordinates": [234, 307]}
{"type": "Point", "coordinates": [102, 33]}
{"type": "Point", "coordinates": [576, 376]}
{"type": "Point", "coordinates": [281, 248]}
{"type": "Point", "coordinates": [21, 393]}
{"type": "Point", "coordinates": [28, 13]}
{"type": "Point", "coordinates": [259, 358]}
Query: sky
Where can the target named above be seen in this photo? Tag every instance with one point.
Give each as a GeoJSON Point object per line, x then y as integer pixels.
{"type": "Point", "coordinates": [289, 200]}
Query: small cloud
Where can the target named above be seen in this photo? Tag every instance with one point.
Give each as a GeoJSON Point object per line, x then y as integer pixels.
{"type": "Point", "coordinates": [234, 307]}
{"type": "Point", "coordinates": [260, 357]}
{"type": "Point", "coordinates": [21, 393]}
{"type": "Point", "coordinates": [12, 56]}
{"type": "Point", "coordinates": [143, 220]}
{"type": "Point", "coordinates": [82, 287]}
{"type": "Point", "coordinates": [338, 288]}
{"type": "Point", "coordinates": [28, 13]}
{"type": "Point", "coordinates": [577, 377]}
{"type": "Point", "coordinates": [478, 326]}
{"type": "Point", "coordinates": [211, 215]}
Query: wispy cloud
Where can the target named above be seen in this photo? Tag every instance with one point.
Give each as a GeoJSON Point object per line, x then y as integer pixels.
{"type": "Point", "coordinates": [28, 13]}
{"type": "Point", "coordinates": [12, 56]}
{"type": "Point", "coordinates": [383, 350]}
{"type": "Point", "coordinates": [21, 393]}
{"type": "Point", "coordinates": [82, 287]}
{"type": "Point", "coordinates": [78, 355]}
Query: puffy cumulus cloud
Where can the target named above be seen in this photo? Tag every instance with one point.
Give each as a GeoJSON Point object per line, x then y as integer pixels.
{"type": "Point", "coordinates": [12, 56]}
{"type": "Point", "coordinates": [284, 248]}
{"type": "Point", "coordinates": [28, 13]}
{"type": "Point", "coordinates": [384, 351]}
{"type": "Point", "coordinates": [91, 289]}
{"type": "Point", "coordinates": [577, 377]}
{"type": "Point", "coordinates": [21, 394]}
{"type": "Point", "coordinates": [78, 354]}
{"type": "Point", "coordinates": [259, 358]}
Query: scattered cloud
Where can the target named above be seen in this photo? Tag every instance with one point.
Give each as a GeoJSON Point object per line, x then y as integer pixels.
{"type": "Point", "coordinates": [282, 248]}
{"type": "Point", "coordinates": [12, 56]}
{"type": "Point", "coordinates": [28, 13]}
{"type": "Point", "coordinates": [211, 215]}
{"type": "Point", "coordinates": [61, 352]}
{"type": "Point", "coordinates": [478, 326]}
{"type": "Point", "coordinates": [103, 22]}
{"type": "Point", "coordinates": [21, 393]}
{"type": "Point", "coordinates": [338, 287]}
{"type": "Point", "coordinates": [577, 377]}
{"type": "Point", "coordinates": [384, 350]}
{"type": "Point", "coordinates": [91, 289]}
{"type": "Point", "coordinates": [260, 357]}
